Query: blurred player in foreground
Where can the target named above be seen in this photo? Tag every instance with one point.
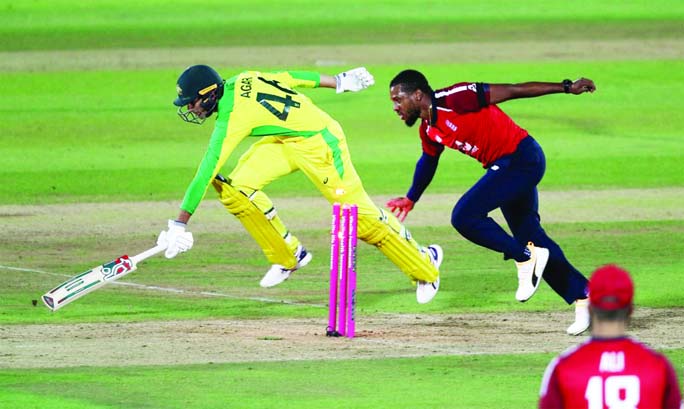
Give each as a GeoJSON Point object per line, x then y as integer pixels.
{"type": "Point", "coordinates": [465, 117]}
{"type": "Point", "coordinates": [294, 134]}
{"type": "Point", "coordinates": [610, 370]}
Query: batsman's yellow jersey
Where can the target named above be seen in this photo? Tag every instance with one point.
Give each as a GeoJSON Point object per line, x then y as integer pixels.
{"type": "Point", "coordinates": [260, 104]}
{"type": "Point", "coordinates": [295, 136]}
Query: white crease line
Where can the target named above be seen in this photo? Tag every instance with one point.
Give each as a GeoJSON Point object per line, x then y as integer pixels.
{"type": "Point", "coordinates": [175, 290]}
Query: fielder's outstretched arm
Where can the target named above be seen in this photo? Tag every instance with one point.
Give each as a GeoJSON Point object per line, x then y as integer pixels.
{"type": "Point", "coordinates": [503, 92]}
{"type": "Point", "coordinates": [422, 176]}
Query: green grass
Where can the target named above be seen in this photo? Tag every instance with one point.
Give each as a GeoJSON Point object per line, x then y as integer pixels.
{"type": "Point", "coordinates": [308, 384]}
{"type": "Point", "coordinates": [111, 135]}
{"type": "Point", "coordinates": [435, 382]}
{"type": "Point", "coordinates": [104, 136]}
{"type": "Point", "coordinates": [107, 24]}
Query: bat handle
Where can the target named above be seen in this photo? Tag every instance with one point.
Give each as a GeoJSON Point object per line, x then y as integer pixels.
{"type": "Point", "coordinates": [148, 253]}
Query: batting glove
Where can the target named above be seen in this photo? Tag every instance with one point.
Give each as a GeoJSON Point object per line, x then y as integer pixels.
{"type": "Point", "coordinates": [354, 80]}
{"type": "Point", "coordinates": [176, 238]}
{"type": "Point", "coordinates": [400, 207]}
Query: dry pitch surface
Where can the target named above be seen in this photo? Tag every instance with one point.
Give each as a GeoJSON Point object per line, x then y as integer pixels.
{"type": "Point", "coordinates": [379, 336]}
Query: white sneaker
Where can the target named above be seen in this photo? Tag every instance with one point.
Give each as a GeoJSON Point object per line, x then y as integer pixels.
{"type": "Point", "coordinates": [425, 292]}
{"type": "Point", "coordinates": [582, 319]}
{"type": "Point", "coordinates": [436, 255]}
{"type": "Point", "coordinates": [277, 273]}
{"type": "Point", "coordinates": [530, 272]}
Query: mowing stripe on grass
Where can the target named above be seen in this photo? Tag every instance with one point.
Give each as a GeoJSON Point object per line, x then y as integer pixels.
{"type": "Point", "coordinates": [342, 55]}
{"type": "Point", "coordinates": [568, 206]}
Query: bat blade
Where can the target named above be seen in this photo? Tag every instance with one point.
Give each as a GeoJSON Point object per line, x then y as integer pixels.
{"type": "Point", "coordinates": [84, 283]}
{"type": "Point", "coordinates": [89, 281]}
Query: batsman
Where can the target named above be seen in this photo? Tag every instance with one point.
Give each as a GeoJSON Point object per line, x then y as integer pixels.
{"type": "Point", "coordinates": [293, 135]}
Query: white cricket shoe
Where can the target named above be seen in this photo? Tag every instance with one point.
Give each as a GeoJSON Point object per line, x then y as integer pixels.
{"type": "Point", "coordinates": [425, 292]}
{"type": "Point", "coordinates": [530, 272]}
{"type": "Point", "coordinates": [277, 273]}
{"type": "Point", "coordinates": [582, 319]}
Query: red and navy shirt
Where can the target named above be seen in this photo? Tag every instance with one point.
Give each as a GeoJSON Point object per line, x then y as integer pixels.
{"type": "Point", "coordinates": [462, 119]}
{"type": "Point", "coordinates": [610, 373]}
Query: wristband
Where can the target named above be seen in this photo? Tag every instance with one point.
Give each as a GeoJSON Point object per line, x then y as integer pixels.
{"type": "Point", "coordinates": [566, 86]}
{"type": "Point", "coordinates": [176, 223]}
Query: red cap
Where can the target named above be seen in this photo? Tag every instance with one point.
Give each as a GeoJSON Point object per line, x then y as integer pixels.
{"type": "Point", "coordinates": [611, 288]}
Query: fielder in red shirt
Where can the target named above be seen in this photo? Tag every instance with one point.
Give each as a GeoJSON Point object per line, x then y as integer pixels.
{"type": "Point", "coordinates": [610, 370]}
{"type": "Point", "coordinates": [465, 117]}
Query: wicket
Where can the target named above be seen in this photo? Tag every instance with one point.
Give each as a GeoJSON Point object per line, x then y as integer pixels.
{"type": "Point", "coordinates": [342, 271]}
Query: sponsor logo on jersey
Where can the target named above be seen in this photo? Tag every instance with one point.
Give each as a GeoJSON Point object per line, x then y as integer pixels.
{"type": "Point", "coordinates": [451, 125]}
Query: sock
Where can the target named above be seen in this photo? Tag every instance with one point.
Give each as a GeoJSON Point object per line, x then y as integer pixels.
{"type": "Point", "coordinates": [526, 255]}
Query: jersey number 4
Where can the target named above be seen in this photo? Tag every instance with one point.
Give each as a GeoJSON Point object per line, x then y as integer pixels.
{"type": "Point", "coordinates": [287, 101]}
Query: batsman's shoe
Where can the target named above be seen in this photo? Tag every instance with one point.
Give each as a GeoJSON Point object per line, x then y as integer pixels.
{"type": "Point", "coordinates": [277, 273]}
{"type": "Point", "coordinates": [425, 292]}
{"type": "Point", "coordinates": [582, 319]}
{"type": "Point", "coordinates": [530, 272]}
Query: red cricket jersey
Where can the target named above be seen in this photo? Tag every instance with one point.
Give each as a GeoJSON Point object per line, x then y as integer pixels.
{"type": "Point", "coordinates": [610, 373]}
{"type": "Point", "coordinates": [462, 119]}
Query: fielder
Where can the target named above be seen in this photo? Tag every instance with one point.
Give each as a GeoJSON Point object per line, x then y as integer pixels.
{"type": "Point", "coordinates": [610, 369]}
{"type": "Point", "coordinates": [465, 117]}
{"type": "Point", "coordinates": [294, 135]}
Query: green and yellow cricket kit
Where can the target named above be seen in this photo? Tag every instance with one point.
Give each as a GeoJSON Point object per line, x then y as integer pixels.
{"type": "Point", "coordinates": [295, 135]}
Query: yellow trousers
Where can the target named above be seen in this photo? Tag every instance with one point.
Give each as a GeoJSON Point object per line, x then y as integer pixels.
{"type": "Point", "coordinates": [324, 158]}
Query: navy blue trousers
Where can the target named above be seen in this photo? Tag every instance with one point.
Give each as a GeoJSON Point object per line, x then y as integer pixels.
{"type": "Point", "coordinates": [510, 184]}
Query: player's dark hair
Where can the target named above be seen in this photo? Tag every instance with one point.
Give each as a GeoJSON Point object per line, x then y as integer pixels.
{"type": "Point", "coordinates": [411, 80]}
{"type": "Point", "coordinates": [612, 315]}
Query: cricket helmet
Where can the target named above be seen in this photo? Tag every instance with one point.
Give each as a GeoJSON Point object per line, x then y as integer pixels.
{"type": "Point", "coordinates": [198, 81]}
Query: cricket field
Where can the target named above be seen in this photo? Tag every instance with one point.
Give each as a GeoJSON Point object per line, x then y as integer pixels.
{"type": "Point", "coordinates": [95, 160]}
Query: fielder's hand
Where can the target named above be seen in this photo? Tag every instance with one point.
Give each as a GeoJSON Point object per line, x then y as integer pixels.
{"type": "Point", "coordinates": [354, 80]}
{"type": "Point", "coordinates": [582, 85]}
{"type": "Point", "coordinates": [176, 238]}
{"type": "Point", "coordinates": [400, 206]}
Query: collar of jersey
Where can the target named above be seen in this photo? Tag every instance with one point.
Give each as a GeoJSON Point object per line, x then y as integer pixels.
{"type": "Point", "coordinates": [433, 107]}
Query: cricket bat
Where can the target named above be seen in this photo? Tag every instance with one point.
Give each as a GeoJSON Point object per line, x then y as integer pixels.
{"type": "Point", "coordinates": [91, 280]}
